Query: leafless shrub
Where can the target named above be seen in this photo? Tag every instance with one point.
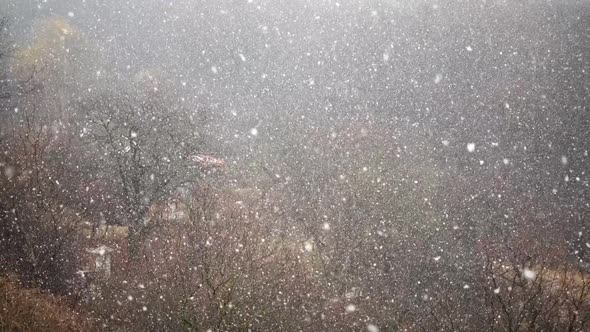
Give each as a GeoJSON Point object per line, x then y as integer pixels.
{"type": "Point", "coordinates": [23, 309]}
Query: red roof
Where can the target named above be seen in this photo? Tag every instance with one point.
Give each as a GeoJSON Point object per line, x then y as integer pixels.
{"type": "Point", "coordinates": [208, 161]}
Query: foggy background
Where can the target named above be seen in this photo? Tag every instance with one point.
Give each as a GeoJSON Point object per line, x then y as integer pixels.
{"type": "Point", "coordinates": [408, 135]}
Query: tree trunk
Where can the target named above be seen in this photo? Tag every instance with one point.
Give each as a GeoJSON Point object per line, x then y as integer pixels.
{"type": "Point", "coordinates": [135, 239]}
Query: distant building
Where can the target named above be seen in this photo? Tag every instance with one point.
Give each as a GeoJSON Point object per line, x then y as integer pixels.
{"type": "Point", "coordinates": [102, 260]}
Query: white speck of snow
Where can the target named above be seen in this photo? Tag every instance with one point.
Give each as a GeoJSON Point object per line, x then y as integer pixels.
{"type": "Point", "coordinates": [466, 287]}
{"type": "Point", "coordinates": [98, 73]}
{"type": "Point", "coordinates": [497, 290]}
{"type": "Point", "coordinates": [471, 147]}
{"type": "Point", "coordinates": [70, 14]}
{"type": "Point", "coordinates": [254, 132]}
{"type": "Point", "coordinates": [554, 191]}
{"type": "Point", "coordinates": [130, 298]}
{"type": "Point", "coordinates": [385, 57]}
{"type": "Point", "coordinates": [437, 258]}
{"type": "Point", "coordinates": [326, 226]}
{"type": "Point", "coordinates": [564, 160]}
{"type": "Point", "coordinates": [374, 13]}
{"type": "Point", "coordinates": [372, 328]}
{"type": "Point", "coordinates": [469, 49]}
{"type": "Point", "coordinates": [445, 142]}
{"type": "Point", "coordinates": [9, 172]}
{"type": "Point", "coordinates": [308, 246]}
{"type": "Point", "coordinates": [567, 178]}
{"type": "Point", "coordinates": [438, 78]}
{"type": "Point", "coordinates": [481, 162]}
{"type": "Point", "coordinates": [142, 286]}
{"type": "Point", "coordinates": [350, 308]}
{"type": "Point", "coordinates": [506, 161]}
{"type": "Point", "coordinates": [214, 70]}
{"type": "Point", "coordinates": [144, 308]}
{"type": "Point", "coordinates": [242, 57]}
{"type": "Point", "coordinates": [529, 274]}
{"type": "Point", "coordinates": [133, 134]}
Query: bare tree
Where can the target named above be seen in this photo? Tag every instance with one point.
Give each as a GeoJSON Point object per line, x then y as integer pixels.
{"type": "Point", "coordinates": [37, 218]}
{"type": "Point", "coordinates": [141, 148]}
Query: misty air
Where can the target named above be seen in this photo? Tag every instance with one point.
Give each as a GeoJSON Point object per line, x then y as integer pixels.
{"type": "Point", "coordinates": [301, 165]}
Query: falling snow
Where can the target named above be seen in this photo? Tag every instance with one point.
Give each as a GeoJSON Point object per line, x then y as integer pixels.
{"type": "Point", "coordinates": [297, 165]}
{"type": "Point", "coordinates": [529, 274]}
{"type": "Point", "coordinates": [372, 328]}
{"type": "Point", "coordinates": [350, 308]}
